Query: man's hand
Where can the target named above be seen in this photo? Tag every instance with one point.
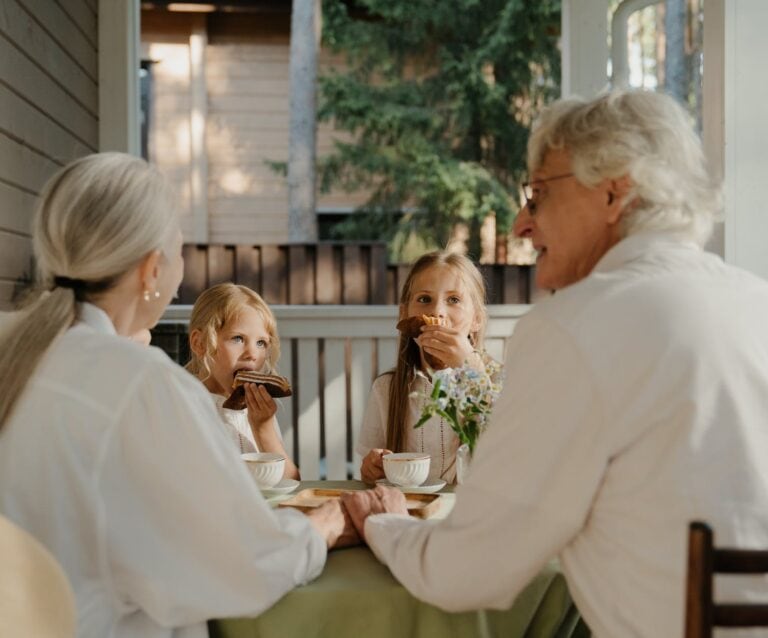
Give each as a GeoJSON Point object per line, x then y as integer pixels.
{"type": "Point", "coordinates": [334, 524]}
{"type": "Point", "coordinates": [372, 467]}
{"type": "Point", "coordinates": [380, 500]}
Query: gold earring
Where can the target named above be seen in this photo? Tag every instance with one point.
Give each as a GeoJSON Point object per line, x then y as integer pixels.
{"type": "Point", "coordinates": [147, 297]}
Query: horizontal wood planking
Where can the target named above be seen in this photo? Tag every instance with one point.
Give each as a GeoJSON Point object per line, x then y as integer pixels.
{"type": "Point", "coordinates": [63, 30]}
{"type": "Point", "coordinates": [16, 209]}
{"type": "Point", "coordinates": [219, 83]}
{"type": "Point", "coordinates": [27, 34]}
{"type": "Point", "coordinates": [27, 124]}
{"type": "Point", "coordinates": [16, 256]}
{"type": "Point", "coordinates": [23, 166]}
{"type": "Point", "coordinates": [37, 87]}
{"type": "Point", "coordinates": [83, 17]}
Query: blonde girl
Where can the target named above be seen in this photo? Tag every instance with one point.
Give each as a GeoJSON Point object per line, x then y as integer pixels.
{"type": "Point", "coordinates": [233, 329]}
{"type": "Point", "coordinates": [448, 286]}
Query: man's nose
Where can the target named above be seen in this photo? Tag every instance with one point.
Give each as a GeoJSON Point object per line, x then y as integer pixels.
{"type": "Point", "coordinates": [523, 225]}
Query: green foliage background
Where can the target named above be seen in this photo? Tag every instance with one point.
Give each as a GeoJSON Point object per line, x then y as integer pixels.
{"type": "Point", "coordinates": [438, 96]}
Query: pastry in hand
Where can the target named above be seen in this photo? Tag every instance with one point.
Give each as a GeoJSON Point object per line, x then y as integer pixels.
{"type": "Point", "coordinates": [276, 386]}
{"type": "Point", "coordinates": [411, 328]}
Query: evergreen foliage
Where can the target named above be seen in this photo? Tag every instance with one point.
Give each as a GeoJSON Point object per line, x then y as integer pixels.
{"type": "Point", "coordinates": [438, 96]}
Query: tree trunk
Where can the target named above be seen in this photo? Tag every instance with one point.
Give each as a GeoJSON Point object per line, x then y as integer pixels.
{"type": "Point", "coordinates": [675, 73]}
{"type": "Point", "coordinates": [305, 44]}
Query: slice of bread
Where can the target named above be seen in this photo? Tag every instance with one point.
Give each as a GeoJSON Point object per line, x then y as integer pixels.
{"type": "Point", "coordinates": [276, 386]}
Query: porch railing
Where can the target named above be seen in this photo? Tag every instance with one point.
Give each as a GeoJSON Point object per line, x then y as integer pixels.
{"type": "Point", "coordinates": [330, 273]}
{"type": "Point", "coordinates": [332, 354]}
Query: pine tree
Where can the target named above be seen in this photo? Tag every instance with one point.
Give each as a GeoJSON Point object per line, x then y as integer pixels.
{"type": "Point", "coordinates": [438, 96]}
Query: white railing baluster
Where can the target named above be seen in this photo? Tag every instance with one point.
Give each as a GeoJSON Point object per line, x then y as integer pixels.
{"type": "Point", "coordinates": [360, 372]}
{"type": "Point", "coordinates": [335, 404]}
{"type": "Point", "coordinates": [309, 409]}
{"type": "Point", "coordinates": [285, 409]}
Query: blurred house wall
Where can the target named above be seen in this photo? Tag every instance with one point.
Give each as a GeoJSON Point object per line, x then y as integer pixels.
{"type": "Point", "coordinates": [48, 113]}
{"type": "Point", "coordinates": [246, 75]}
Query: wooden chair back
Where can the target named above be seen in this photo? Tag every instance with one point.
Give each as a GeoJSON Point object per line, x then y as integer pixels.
{"type": "Point", "coordinates": [704, 561]}
{"type": "Point", "coordinates": [35, 596]}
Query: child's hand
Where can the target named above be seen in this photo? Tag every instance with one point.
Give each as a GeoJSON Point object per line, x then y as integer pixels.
{"type": "Point", "coordinates": [372, 467]}
{"type": "Point", "coordinates": [261, 406]}
{"type": "Point", "coordinates": [446, 344]}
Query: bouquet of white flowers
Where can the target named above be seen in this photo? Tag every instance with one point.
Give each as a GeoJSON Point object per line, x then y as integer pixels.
{"type": "Point", "coordinates": [463, 397]}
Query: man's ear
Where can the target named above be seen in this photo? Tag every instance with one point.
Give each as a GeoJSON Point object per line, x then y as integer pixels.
{"type": "Point", "coordinates": [149, 271]}
{"type": "Point", "coordinates": [619, 188]}
{"type": "Point", "coordinates": [196, 342]}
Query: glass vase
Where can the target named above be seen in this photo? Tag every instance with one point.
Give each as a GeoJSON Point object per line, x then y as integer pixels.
{"type": "Point", "coordinates": [463, 459]}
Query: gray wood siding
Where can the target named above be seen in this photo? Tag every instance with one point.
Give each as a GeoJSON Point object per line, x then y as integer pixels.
{"type": "Point", "coordinates": [48, 112]}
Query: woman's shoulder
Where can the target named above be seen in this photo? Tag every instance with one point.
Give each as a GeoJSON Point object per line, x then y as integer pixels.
{"type": "Point", "coordinates": [111, 361]}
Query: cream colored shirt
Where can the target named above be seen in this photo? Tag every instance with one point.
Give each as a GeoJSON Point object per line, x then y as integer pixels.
{"type": "Point", "coordinates": [111, 462]}
{"type": "Point", "coordinates": [635, 401]}
{"type": "Point", "coordinates": [435, 437]}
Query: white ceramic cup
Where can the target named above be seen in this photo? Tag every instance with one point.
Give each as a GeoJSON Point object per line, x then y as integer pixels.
{"type": "Point", "coordinates": [266, 467]}
{"type": "Point", "coordinates": [406, 469]}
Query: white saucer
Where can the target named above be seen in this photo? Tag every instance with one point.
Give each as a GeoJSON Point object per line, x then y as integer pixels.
{"type": "Point", "coordinates": [286, 486]}
{"type": "Point", "coordinates": [424, 488]}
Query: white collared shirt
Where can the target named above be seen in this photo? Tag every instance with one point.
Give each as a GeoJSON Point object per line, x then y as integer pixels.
{"type": "Point", "coordinates": [635, 401]}
{"type": "Point", "coordinates": [110, 459]}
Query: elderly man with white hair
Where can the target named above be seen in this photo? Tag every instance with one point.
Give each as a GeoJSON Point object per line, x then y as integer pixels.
{"type": "Point", "coordinates": [636, 397]}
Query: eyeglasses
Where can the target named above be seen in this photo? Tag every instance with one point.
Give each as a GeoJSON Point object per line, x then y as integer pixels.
{"type": "Point", "coordinates": [532, 198]}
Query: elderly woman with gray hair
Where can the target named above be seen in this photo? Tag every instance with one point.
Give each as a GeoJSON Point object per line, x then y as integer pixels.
{"type": "Point", "coordinates": [109, 454]}
{"type": "Point", "coordinates": [636, 397]}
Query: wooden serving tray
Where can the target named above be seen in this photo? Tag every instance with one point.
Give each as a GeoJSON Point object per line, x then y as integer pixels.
{"type": "Point", "coordinates": [419, 505]}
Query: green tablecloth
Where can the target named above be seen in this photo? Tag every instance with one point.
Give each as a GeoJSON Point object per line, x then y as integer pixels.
{"type": "Point", "coordinates": [358, 596]}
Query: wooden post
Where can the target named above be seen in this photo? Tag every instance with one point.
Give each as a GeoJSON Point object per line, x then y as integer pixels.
{"type": "Point", "coordinates": [305, 44]}
{"type": "Point", "coordinates": [119, 109]}
{"type": "Point", "coordinates": [735, 127]}
{"type": "Point", "coordinates": [584, 46]}
{"type": "Point", "coordinates": [198, 42]}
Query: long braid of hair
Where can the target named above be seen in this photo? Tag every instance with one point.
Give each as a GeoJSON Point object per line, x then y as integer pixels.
{"type": "Point", "coordinates": [399, 393]}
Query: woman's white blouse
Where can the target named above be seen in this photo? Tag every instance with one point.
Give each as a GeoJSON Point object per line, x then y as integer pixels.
{"type": "Point", "coordinates": [110, 460]}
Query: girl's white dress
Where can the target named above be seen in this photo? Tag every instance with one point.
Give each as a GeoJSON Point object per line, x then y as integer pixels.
{"type": "Point", "coordinates": [236, 425]}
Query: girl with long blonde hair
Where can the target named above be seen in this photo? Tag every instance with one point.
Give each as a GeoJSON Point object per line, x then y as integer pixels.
{"type": "Point", "coordinates": [448, 286]}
